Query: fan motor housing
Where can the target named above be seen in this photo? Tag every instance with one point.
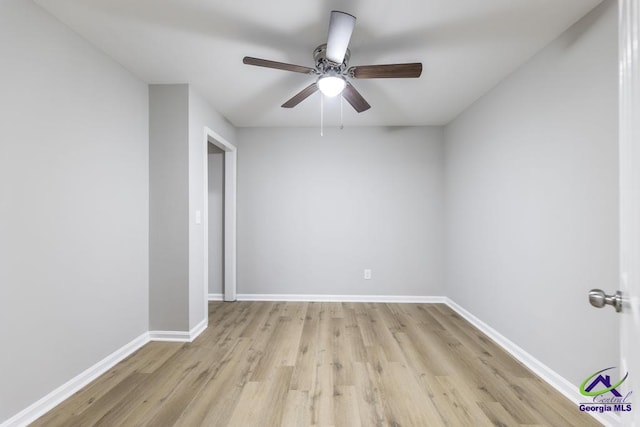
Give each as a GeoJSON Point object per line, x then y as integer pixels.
{"type": "Point", "coordinates": [325, 66]}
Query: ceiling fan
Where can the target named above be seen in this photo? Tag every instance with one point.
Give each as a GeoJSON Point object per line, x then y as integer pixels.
{"type": "Point", "coordinates": [332, 67]}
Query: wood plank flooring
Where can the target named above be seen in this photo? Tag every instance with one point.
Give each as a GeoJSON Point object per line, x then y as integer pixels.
{"type": "Point", "coordinates": [321, 364]}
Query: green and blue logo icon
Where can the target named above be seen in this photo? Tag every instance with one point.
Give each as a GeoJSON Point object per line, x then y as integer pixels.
{"type": "Point", "coordinates": [605, 394]}
{"type": "Point", "coordinates": [587, 386]}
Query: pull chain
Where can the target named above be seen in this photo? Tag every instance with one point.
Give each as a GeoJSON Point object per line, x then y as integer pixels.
{"type": "Point", "coordinates": [341, 117]}
{"type": "Point", "coordinates": [321, 114]}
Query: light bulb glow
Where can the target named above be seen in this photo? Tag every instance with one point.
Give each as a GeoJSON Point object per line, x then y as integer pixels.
{"type": "Point", "coordinates": [331, 85]}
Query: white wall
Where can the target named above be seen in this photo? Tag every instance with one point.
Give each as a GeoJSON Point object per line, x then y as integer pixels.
{"type": "Point", "coordinates": [74, 205]}
{"type": "Point", "coordinates": [314, 211]}
{"type": "Point", "coordinates": [531, 201]}
{"type": "Point", "coordinates": [216, 219]}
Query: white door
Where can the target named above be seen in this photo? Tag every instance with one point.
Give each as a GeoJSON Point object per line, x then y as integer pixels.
{"type": "Point", "coordinates": [630, 202]}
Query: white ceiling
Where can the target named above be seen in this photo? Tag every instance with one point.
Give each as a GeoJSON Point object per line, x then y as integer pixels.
{"type": "Point", "coordinates": [466, 47]}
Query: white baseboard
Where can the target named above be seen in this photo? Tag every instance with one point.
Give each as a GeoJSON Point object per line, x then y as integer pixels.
{"type": "Point", "coordinates": [169, 336]}
{"type": "Point", "coordinates": [48, 402]}
{"type": "Point", "coordinates": [341, 298]}
{"type": "Point", "coordinates": [215, 297]}
{"type": "Point", "coordinates": [564, 386]}
{"type": "Point", "coordinates": [179, 336]}
{"type": "Point", "coordinates": [198, 329]}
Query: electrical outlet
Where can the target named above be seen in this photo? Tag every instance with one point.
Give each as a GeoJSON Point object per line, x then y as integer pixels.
{"type": "Point", "coordinates": [367, 274]}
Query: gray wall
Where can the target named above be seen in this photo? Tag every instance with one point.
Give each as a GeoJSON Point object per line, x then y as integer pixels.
{"type": "Point", "coordinates": [531, 201]}
{"type": "Point", "coordinates": [314, 211]}
{"type": "Point", "coordinates": [178, 117]}
{"type": "Point", "coordinates": [216, 219]}
{"type": "Point", "coordinates": [169, 207]}
{"type": "Point", "coordinates": [74, 205]}
{"type": "Point", "coordinates": [201, 115]}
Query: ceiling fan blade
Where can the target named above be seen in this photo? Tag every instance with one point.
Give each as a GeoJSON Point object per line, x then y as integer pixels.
{"type": "Point", "coordinates": [341, 26]}
{"type": "Point", "coordinates": [301, 96]}
{"type": "Point", "coordinates": [354, 98]}
{"type": "Point", "coordinates": [277, 65]}
{"type": "Point", "coordinates": [390, 71]}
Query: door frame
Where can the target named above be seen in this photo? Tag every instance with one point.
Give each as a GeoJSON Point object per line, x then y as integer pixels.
{"type": "Point", "coordinates": [229, 197]}
{"type": "Point", "coordinates": [629, 146]}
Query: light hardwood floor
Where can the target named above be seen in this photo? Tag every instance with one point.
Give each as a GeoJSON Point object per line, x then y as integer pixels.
{"type": "Point", "coordinates": [324, 364]}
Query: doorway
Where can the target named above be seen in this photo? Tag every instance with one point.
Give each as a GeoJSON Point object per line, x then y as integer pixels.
{"type": "Point", "coordinates": [216, 222]}
{"type": "Point", "coordinates": [219, 218]}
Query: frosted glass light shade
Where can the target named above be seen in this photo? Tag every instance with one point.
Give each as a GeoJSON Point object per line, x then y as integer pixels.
{"type": "Point", "coordinates": [331, 85]}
